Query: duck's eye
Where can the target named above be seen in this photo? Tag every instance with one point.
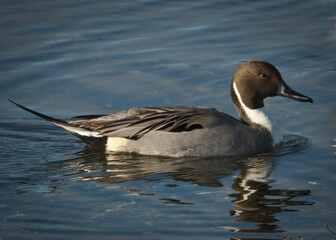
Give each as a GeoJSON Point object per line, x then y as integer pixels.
{"type": "Point", "coordinates": [263, 75]}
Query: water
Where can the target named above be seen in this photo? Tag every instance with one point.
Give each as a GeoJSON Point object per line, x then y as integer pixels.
{"type": "Point", "coordinates": [67, 58]}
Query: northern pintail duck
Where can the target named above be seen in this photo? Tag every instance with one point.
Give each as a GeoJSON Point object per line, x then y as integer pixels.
{"type": "Point", "coordinates": [192, 131]}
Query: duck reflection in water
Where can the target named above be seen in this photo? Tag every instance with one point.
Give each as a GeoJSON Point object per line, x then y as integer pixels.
{"type": "Point", "coordinates": [255, 201]}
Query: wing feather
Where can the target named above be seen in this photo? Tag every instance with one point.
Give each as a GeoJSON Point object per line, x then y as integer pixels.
{"type": "Point", "coordinates": [137, 122]}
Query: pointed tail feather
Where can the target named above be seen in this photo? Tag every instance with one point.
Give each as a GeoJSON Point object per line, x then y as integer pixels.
{"type": "Point", "coordinates": [50, 119]}
{"type": "Point", "coordinates": [84, 134]}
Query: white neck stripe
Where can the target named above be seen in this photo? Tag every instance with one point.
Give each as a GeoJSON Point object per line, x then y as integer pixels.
{"type": "Point", "coordinates": [255, 115]}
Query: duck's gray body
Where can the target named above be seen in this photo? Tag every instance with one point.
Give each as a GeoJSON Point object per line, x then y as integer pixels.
{"type": "Point", "coordinates": [180, 131]}
{"type": "Point", "coordinates": [192, 131]}
{"type": "Point", "coordinates": [216, 141]}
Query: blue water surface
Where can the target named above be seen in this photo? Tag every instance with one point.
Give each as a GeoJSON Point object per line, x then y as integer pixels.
{"type": "Point", "coordinates": [67, 58]}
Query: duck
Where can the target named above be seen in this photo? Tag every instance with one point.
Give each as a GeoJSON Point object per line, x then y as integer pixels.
{"type": "Point", "coordinates": [184, 131]}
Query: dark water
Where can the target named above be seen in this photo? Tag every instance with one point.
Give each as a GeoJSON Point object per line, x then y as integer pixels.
{"type": "Point", "coordinates": [67, 58]}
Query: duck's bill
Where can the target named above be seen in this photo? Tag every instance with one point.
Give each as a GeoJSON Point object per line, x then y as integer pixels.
{"type": "Point", "coordinates": [290, 93]}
